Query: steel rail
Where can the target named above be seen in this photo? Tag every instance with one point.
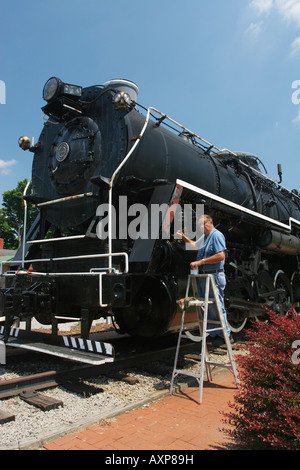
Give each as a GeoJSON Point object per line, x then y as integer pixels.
{"type": "Point", "coordinates": [49, 379]}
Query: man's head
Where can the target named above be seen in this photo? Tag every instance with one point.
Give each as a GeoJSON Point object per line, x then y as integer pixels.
{"type": "Point", "coordinates": [206, 224]}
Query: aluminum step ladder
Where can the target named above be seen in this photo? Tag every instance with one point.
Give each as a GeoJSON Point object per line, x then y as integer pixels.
{"type": "Point", "coordinates": [202, 305]}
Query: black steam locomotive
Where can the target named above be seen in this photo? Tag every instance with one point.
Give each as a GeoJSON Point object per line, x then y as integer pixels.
{"type": "Point", "coordinates": [94, 252]}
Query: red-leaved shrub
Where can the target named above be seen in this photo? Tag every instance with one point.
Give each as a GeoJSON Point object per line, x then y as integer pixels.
{"type": "Point", "coordinates": [266, 409]}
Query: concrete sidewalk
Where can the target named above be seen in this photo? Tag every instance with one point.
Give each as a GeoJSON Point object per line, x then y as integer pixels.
{"type": "Point", "coordinates": [174, 422]}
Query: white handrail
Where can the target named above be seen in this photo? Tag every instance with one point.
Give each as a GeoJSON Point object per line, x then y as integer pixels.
{"type": "Point", "coordinates": [66, 258]}
{"type": "Point", "coordinates": [112, 182]}
{"type": "Point", "coordinates": [24, 225]}
{"type": "Point", "coordinates": [58, 239]}
{"type": "Point", "coordinates": [63, 199]}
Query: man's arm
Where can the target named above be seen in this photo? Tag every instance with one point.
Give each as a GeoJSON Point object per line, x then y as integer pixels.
{"type": "Point", "coordinates": [214, 259]}
{"type": "Point", "coordinates": [187, 240]}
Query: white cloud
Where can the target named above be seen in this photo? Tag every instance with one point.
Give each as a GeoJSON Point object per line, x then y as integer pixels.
{"type": "Point", "coordinates": [289, 9]}
{"type": "Point", "coordinates": [262, 6]}
{"type": "Point", "coordinates": [5, 166]}
{"type": "Point", "coordinates": [254, 29]}
{"type": "Point", "coordinates": [297, 118]}
{"type": "Point", "coordinates": [295, 46]}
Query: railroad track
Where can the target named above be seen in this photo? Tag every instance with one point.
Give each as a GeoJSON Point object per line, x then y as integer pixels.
{"type": "Point", "coordinates": [139, 376]}
{"type": "Point", "coordinates": [53, 378]}
{"type": "Point", "coordinates": [129, 353]}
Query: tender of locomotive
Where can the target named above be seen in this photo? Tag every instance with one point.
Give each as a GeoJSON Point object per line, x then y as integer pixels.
{"type": "Point", "coordinates": [98, 160]}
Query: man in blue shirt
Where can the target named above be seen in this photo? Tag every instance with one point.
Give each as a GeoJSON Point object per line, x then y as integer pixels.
{"type": "Point", "coordinates": [210, 259]}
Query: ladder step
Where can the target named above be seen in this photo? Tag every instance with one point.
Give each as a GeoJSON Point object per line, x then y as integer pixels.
{"type": "Point", "coordinates": [202, 299]}
{"type": "Point", "coordinates": [183, 372]}
{"type": "Point", "coordinates": [218, 364]}
{"type": "Point", "coordinates": [199, 303]}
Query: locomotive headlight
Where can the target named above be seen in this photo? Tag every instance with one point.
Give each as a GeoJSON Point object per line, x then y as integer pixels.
{"type": "Point", "coordinates": [55, 88]}
{"type": "Point", "coordinates": [51, 88]}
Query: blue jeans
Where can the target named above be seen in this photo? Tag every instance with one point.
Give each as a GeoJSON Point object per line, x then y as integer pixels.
{"type": "Point", "coordinates": [220, 281]}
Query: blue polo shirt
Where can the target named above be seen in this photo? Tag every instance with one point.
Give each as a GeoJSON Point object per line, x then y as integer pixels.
{"type": "Point", "coordinates": [209, 246]}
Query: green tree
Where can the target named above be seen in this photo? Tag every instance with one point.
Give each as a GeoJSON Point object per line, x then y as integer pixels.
{"type": "Point", "coordinates": [6, 232]}
{"type": "Point", "coordinates": [12, 215]}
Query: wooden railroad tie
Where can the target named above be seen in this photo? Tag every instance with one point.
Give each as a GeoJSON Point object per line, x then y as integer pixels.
{"type": "Point", "coordinates": [43, 402]}
{"type": "Point", "coordinates": [6, 417]}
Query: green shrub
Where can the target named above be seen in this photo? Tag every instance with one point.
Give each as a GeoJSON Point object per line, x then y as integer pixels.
{"type": "Point", "coordinates": [266, 409]}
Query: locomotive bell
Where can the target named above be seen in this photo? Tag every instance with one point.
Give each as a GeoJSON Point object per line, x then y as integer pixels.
{"type": "Point", "coordinates": [24, 142]}
{"type": "Point", "coordinates": [122, 100]}
{"type": "Point", "coordinates": [123, 87]}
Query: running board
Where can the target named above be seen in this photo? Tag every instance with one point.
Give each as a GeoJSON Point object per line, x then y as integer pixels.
{"type": "Point", "coordinates": [68, 347]}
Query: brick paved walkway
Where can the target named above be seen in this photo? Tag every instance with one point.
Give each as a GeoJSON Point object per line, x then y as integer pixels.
{"type": "Point", "coordinates": [175, 422]}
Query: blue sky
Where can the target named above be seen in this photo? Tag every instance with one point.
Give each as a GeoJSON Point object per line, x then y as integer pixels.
{"type": "Point", "coordinates": [223, 68]}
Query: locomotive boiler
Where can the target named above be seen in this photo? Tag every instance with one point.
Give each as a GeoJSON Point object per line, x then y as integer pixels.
{"type": "Point", "coordinates": [103, 167]}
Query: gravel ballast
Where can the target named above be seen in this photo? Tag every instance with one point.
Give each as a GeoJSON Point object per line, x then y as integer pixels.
{"type": "Point", "coordinates": [33, 427]}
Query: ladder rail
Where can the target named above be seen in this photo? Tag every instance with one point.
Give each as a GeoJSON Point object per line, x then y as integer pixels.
{"type": "Point", "coordinates": [202, 307]}
{"type": "Point", "coordinates": [226, 337]}
{"type": "Point", "coordinates": [175, 373]}
{"type": "Point", "coordinates": [204, 351]}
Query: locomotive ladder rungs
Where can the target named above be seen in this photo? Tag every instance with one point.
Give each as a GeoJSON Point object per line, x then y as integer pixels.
{"type": "Point", "coordinates": [202, 314]}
